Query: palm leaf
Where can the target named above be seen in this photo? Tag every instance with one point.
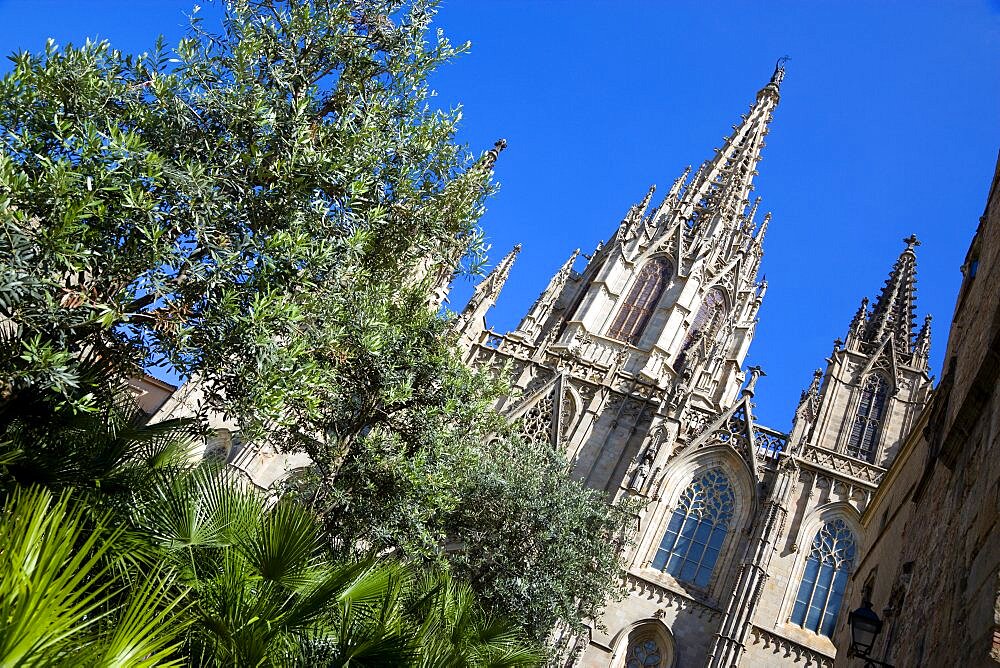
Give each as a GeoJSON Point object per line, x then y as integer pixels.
{"type": "Point", "coordinates": [52, 576]}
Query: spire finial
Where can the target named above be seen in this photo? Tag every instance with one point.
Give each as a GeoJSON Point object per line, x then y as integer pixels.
{"type": "Point", "coordinates": [755, 373]}
{"type": "Point", "coordinates": [779, 70]}
{"type": "Point", "coordinates": [911, 242]}
{"type": "Point", "coordinates": [490, 159]}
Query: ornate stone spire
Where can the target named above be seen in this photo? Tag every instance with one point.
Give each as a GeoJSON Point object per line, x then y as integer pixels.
{"type": "Point", "coordinates": [856, 330]}
{"type": "Point", "coordinates": [893, 312]}
{"type": "Point", "coordinates": [471, 321]}
{"type": "Point", "coordinates": [724, 183]}
{"type": "Point", "coordinates": [540, 310]}
{"type": "Point", "coordinates": [489, 288]}
{"type": "Point", "coordinates": [631, 222]}
{"type": "Point", "coordinates": [922, 345]}
{"type": "Point", "coordinates": [675, 190]}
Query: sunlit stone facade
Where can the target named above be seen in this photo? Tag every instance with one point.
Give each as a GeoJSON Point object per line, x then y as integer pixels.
{"type": "Point", "coordinates": [632, 362]}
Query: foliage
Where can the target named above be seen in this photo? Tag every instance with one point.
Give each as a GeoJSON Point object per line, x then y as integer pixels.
{"type": "Point", "coordinates": [254, 207]}
{"type": "Point", "coordinates": [503, 513]}
{"type": "Point", "coordinates": [199, 566]}
{"type": "Point", "coordinates": [59, 587]}
{"type": "Point", "coordinates": [266, 209]}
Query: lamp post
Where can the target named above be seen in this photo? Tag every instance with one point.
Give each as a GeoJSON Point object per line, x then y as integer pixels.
{"type": "Point", "coordinates": [865, 627]}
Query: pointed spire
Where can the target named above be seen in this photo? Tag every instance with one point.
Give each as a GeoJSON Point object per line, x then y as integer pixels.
{"type": "Point", "coordinates": [486, 293]}
{"type": "Point", "coordinates": [724, 183]}
{"type": "Point", "coordinates": [645, 200]}
{"type": "Point", "coordinates": [540, 310]}
{"type": "Point", "coordinates": [807, 410]}
{"type": "Point", "coordinates": [753, 211]}
{"type": "Point", "coordinates": [675, 190]}
{"type": "Point", "coordinates": [893, 312]}
{"type": "Point", "coordinates": [813, 389]}
{"type": "Point", "coordinates": [759, 237]}
{"type": "Point", "coordinates": [627, 228]}
{"type": "Point", "coordinates": [856, 330]}
{"type": "Point", "coordinates": [809, 399]}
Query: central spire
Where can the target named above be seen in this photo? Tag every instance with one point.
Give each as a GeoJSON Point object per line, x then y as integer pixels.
{"type": "Point", "coordinates": [719, 193]}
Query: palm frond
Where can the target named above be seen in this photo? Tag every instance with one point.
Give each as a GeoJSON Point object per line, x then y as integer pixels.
{"type": "Point", "coordinates": [52, 576]}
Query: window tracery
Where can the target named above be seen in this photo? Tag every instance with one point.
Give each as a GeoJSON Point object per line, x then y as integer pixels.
{"type": "Point", "coordinates": [863, 438]}
{"type": "Point", "coordinates": [634, 314]}
{"type": "Point", "coordinates": [824, 578]}
{"type": "Point", "coordinates": [697, 529]}
{"type": "Point", "coordinates": [537, 421]}
{"type": "Point", "coordinates": [704, 329]}
{"type": "Point", "coordinates": [644, 653]}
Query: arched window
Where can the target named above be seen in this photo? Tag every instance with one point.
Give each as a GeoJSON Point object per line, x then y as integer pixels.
{"type": "Point", "coordinates": [704, 328]}
{"type": "Point", "coordinates": [642, 299]}
{"type": "Point", "coordinates": [697, 529]}
{"type": "Point", "coordinates": [647, 646]}
{"type": "Point", "coordinates": [644, 653]}
{"type": "Point", "coordinates": [825, 577]}
{"type": "Point", "coordinates": [868, 421]}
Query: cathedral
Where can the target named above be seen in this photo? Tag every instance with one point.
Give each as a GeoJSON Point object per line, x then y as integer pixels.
{"type": "Point", "coordinates": [631, 361]}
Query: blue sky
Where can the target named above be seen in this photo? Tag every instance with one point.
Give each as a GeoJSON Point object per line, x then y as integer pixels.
{"type": "Point", "coordinates": [888, 125]}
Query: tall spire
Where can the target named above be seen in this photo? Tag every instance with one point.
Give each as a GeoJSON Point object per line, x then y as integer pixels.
{"type": "Point", "coordinates": [893, 312]}
{"type": "Point", "coordinates": [723, 184]}
{"type": "Point", "coordinates": [489, 288]}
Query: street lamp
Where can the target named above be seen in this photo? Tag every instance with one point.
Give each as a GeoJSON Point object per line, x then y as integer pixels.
{"type": "Point", "coordinates": [865, 627]}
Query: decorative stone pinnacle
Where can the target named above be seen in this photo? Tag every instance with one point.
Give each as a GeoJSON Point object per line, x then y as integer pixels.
{"type": "Point", "coordinates": [779, 70]}
{"type": "Point", "coordinates": [755, 373]}
{"type": "Point", "coordinates": [911, 241]}
{"type": "Point", "coordinates": [490, 159]}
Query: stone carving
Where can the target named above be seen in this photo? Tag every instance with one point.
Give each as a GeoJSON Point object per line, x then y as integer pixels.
{"type": "Point", "coordinates": [640, 474]}
{"type": "Point", "coordinates": [536, 424]}
{"type": "Point", "coordinates": [789, 649]}
{"type": "Point", "coordinates": [670, 599]}
{"type": "Point", "coordinates": [852, 469]}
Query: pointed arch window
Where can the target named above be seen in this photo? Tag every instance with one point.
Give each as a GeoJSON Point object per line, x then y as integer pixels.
{"type": "Point", "coordinates": [697, 529]}
{"type": "Point", "coordinates": [647, 646]}
{"type": "Point", "coordinates": [863, 439]}
{"type": "Point", "coordinates": [638, 307]}
{"type": "Point", "coordinates": [824, 579]}
{"type": "Point", "coordinates": [644, 653]}
{"type": "Point", "coordinates": [704, 328]}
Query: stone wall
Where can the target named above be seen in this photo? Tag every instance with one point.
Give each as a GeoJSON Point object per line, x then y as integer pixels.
{"type": "Point", "coordinates": [933, 570]}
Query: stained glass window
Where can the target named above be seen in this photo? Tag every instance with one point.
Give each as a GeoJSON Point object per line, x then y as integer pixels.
{"type": "Point", "coordinates": [697, 529]}
{"type": "Point", "coordinates": [704, 328]}
{"type": "Point", "coordinates": [641, 301]}
{"type": "Point", "coordinates": [863, 439]}
{"type": "Point", "coordinates": [824, 579]}
{"type": "Point", "coordinates": [643, 653]}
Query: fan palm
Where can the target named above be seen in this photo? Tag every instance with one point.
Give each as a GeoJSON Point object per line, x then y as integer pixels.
{"type": "Point", "coordinates": [63, 602]}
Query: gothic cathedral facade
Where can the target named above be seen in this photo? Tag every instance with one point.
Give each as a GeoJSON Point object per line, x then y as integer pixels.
{"type": "Point", "coordinates": [633, 365]}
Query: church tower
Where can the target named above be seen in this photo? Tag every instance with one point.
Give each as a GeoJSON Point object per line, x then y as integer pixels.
{"type": "Point", "coordinates": [634, 367]}
{"type": "Point", "coordinates": [876, 382]}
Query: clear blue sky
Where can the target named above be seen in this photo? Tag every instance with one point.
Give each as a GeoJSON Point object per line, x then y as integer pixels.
{"type": "Point", "coordinates": [889, 124]}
